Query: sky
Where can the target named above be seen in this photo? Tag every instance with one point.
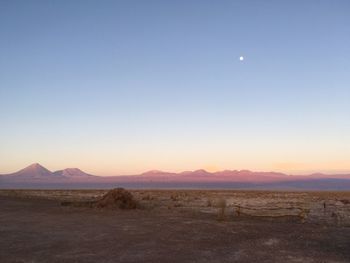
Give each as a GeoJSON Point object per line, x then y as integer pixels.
{"type": "Point", "coordinates": [121, 87]}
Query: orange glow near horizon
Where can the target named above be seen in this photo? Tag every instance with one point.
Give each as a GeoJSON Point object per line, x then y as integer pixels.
{"type": "Point", "coordinates": [135, 166]}
{"type": "Point", "coordinates": [112, 157]}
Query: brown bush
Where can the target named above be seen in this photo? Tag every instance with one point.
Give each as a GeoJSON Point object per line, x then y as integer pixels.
{"type": "Point", "coordinates": [174, 197]}
{"type": "Point", "coordinates": [117, 198]}
{"type": "Point", "coordinates": [222, 209]}
{"type": "Point", "coordinates": [345, 201]}
{"type": "Point", "coordinates": [147, 197]}
{"type": "Point", "coordinates": [209, 203]}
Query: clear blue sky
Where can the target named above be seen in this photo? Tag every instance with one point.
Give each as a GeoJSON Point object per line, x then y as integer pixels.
{"type": "Point", "coordinates": [119, 87]}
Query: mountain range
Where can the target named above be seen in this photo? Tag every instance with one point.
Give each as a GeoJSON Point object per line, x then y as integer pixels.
{"type": "Point", "coordinates": [36, 172]}
{"type": "Point", "coordinates": [37, 176]}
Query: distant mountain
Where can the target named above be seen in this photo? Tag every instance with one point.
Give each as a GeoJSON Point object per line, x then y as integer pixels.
{"type": "Point", "coordinates": [196, 173]}
{"type": "Point", "coordinates": [72, 172]}
{"type": "Point", "coordinates": [34, 170]}
{"type": "Point", "coordinates": [156, 173]}
{"type": "Point", "coordinates": [321, 175]}
{"type": "Point", "coordinates": [249, 176]}
{"type": "Point", "coordinates": [37, 176]}
{"type": "Point", "coordinates": [37, 172]}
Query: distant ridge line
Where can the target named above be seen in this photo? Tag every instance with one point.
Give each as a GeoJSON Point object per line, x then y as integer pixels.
{"type": "Point", "coordinates": [38, 171]}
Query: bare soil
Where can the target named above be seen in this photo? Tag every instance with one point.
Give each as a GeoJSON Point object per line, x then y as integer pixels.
{"type": "Point", "coordinates": [41, 230]}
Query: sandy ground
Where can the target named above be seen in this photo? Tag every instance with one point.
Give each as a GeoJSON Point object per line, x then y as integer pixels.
{"type": "Point", "coordinates": [38, 230]}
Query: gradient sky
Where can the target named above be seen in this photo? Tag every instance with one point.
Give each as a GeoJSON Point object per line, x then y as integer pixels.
{"type": "Point", "coordinates": [120, 87]}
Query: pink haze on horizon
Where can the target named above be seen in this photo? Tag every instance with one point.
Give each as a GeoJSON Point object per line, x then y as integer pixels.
{"type": "Point", "coordinates": [286, 168]}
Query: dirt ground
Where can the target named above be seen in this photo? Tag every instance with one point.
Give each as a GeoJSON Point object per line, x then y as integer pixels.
{"type": "Point", "coordinates": [40, 230]}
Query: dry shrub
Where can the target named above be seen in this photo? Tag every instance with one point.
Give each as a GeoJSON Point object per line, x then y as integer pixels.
{"type": "Point", "coordinates": [303, 215]}
{"type": "Point", "coordinates": [345, 201]}
{"type": "Point", "coordinates": [174, 197]}
{"type": "Point", "coordinates": [177, 205]}
{"type": "Point", "coordinates": [117, 198]}
{"type": "Point", "coordinates": [209, 203]}
{"type": "Point", "coordinates": [147, 197]}
{"type": "Point", "coordinates": [78, 203]}
{"type": "Point", "coordinates": [221, 204]}
{"type": "Point", "coordinates": [237, 211]}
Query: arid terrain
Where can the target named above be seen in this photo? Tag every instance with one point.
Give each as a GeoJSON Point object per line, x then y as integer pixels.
{"type": "Point", "coordinates": [175, 226]}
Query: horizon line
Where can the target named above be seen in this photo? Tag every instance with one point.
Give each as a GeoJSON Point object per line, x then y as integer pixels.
{"type": "Point", "coordinates": [305, 173]}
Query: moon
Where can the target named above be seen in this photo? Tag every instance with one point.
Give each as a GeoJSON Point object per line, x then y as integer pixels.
{"type": "Point", "coordinates": [241, 58]}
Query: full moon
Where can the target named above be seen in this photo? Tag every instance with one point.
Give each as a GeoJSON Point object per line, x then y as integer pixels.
{"type": "Point", "coordinates": [241, 58]}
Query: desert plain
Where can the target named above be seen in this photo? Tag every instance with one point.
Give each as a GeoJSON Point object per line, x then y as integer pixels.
{"type": "Point", "coordinates": [175, 226]}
